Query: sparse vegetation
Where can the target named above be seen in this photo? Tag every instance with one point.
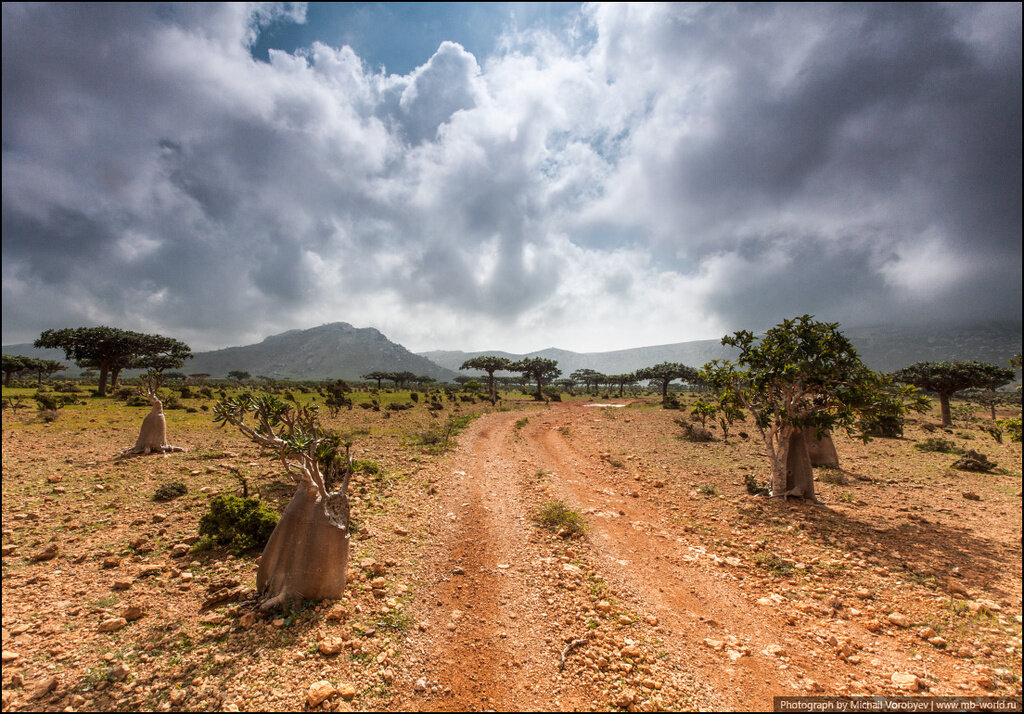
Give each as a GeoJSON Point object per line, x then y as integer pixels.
{"type": "Point", "coordinates": [559, 518]}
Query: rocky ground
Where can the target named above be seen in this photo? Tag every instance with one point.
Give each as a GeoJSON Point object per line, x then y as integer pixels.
{"type": "Point", "coordinates": [685, 592]}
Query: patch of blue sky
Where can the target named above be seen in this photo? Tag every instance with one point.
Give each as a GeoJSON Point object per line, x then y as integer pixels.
{"type": "Point", "coordinates": [401, 36]}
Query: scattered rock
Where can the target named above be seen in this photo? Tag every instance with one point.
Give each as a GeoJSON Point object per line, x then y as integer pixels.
{"type": "Point", "coordinates": [898, 619]}
{"type": "Point", "coordinates": [625, 699]}
{"type": "Point", "coordinates": [318, 692]}
{"type": "Point", "coordinates": [180, 550]}
{"type": "Point", "coordinates": [112, 625]}
{"type": "Point", "coordinates": [347, 692]}
{"type": "Point", "coordinates": [774, 651]}
{"type": "Point", "coordinates": [421, 685]}
{"type": "Point", "coordinates": [906, 682]}
{"type": "Point", "coordinates": [331, 646]}
{"type": "Point", "coordinates": [971, 496]}
{"type": "Point", "coordinates": [120, 672]}
{"type": "Point", "coordinates": [9, 657]}
{"type": "Point", "coordinates": [47, 553]}
{"type": "Point", "coordinates": [132, 613]}
{"type": "Point", "coordinates": [111, 561]}
{"type": "Point", "coordinates": [122, 584]}
{"type": "Point", "coordinates": [43, 688]}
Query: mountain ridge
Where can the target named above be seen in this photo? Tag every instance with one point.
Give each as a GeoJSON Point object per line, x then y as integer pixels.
{"type": "Point", "coordinates": [339, 350]}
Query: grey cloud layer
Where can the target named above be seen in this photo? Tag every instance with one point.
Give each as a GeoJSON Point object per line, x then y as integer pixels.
{"type": "Point", "coordinates": [687, 169]}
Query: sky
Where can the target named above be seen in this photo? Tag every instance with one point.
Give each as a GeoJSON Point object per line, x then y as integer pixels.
{"type": "Point", "coordinates": [508, 176]}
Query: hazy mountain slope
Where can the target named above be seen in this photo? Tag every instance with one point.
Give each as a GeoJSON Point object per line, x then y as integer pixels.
{"type": "Point", "coordinates": [341, 350]}
{"type": "Point", "coordinates": [882, 348]}
{"type": "Point", "coordinates": [336, 350]}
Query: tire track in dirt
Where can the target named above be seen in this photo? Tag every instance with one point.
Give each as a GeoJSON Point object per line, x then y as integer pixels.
{"type": "Point", "coordinates": [635, 544]}
{"type": "Point", "coordinates": [490, 643]}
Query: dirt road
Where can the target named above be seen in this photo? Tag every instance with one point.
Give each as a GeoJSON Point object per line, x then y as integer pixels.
{"type": "Point", "coordinates": [502, 617]}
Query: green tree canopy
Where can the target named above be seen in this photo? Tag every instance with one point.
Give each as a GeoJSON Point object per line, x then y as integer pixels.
{"type": "Point", "coordinates": [947, 378]}
{"type": "Point", "coordinates": [490, 365]}
{"type": "Point", "coordinates": [538, 370]}
{"type": "Point", "coordinates": [589, 378]}
{"type": "Point", "coordinates": [111, 350]}
{"type": "Point", "coordinates": [13, 365]}
{"type": "Point", "coordinates": [801, 373]}
{"type": "Point", "coordinates": [667, 372]}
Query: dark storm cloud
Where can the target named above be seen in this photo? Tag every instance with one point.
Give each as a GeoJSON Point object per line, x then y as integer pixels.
{"type": "Point", "coordinates": [686, 171]}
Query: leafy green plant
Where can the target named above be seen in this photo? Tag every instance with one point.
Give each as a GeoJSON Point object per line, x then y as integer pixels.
{"type": "Point", "coordinates": [939, 445]}
{"type": "Point", "coordinates": [241, 523]}
{"type": "Point", "coordinates": [708, 490]}
{"type": "Point", "coordinates": [753, 487]}
{"type": "Point", "coordinates": [560, 518]}
{"type": "Point", "coordinates": [170, 491]}
{"type": "Point", "coordinates": [1011, 427]}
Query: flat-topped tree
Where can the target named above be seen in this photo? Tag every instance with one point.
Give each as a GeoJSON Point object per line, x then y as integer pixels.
{"type": "Point", "coordinates": [947, 378]}
{"type": "Point", "coordinates": [538, 370]}
{"type": "Point", "coordinates": [668, 372]}
{"type": "Point", "coordinates": [307, 555]}
{"type": "Point", "coordinates": [111, 350]}
{"type": "Point", "coordinates": [587, 377]}
{"type": "Point", "coordinates": [43, 368]}
{"type": "Point", "coordinates": [378, 376]}
{"type": "Point", "coordinates": [799, 374]}
{"type": "Point", "coordinates": [13, 365]}
{"type": "Point", "coordinates": [490, 365]}
{"type": "Point", "coordinates": [621, 380]}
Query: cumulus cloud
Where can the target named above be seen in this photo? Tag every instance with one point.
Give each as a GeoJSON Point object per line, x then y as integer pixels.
{"type": "Point", "coordinates": [652, 174]}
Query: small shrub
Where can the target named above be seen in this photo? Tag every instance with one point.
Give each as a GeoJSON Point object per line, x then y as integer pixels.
{"type": "Point", "coordinates": [753, 487]}
{"type": "Point", "coordinates": [831, 475]}
{"type": "Point", "coordinates": [1012, 427]}
{"type": "Point", "coordinates": [400, 406]}
{"type": "Point", "coordinates": [415, 396]}
{"type": "Point", "coordinates": [170, 491]}
{"type": "Point", "coordinates": [671, 402]}
{"type": "Point", "coordinates": [521, 423]}
{"type": "Point", "coordinates": [708, 490]}
{"type": "Point", "coordinates": [124, 394]}
{"type": "Point", "coordinates": [137, 400]}
{"type": "Point", "coordinates": [695, 432]}
{"type": "Point", "coordinates": [241, 523]}
{"type": "Point", "coordinates": [939, 445]}
{"type": "Point", "coordinates": [975, 462]}
{"type": "Point", "coordinates": [556, 516]}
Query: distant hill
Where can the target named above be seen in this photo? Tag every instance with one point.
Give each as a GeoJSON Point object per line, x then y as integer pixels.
{"type": "Point", "coordinates": [333, 351]}
{"type": "Point", "coordinates": [883, 349]}
{"type": "Point", "coordinates": [339, 350]}
{"type": "Point", "coordinates": [336, 350]}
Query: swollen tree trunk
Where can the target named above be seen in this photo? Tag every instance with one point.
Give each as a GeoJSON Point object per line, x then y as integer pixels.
{"type": "Point", "coordinates": [796, 478]}
{"type": "Point", "coordinates": [306, 557]}
{"type": "Point", "coordinates": [822, 452]}
{"type": "Point", "coordinates": [153, 434]}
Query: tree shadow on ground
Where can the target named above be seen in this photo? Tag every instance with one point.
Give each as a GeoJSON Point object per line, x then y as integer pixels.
{"type": "Point", "coordinates": [928, 551]}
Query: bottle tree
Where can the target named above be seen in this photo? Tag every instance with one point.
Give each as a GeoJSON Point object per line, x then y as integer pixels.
{"type": "Point", "coordinates": [307, 555]}
{"type": "Point", "coordinates": [799, 374]}
{"type": "Point", "coordinates": [947, 378]}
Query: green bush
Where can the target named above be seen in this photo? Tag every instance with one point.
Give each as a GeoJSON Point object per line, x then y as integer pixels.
{"type": "Point", "coordinates": [1011, 427]}
{"type": "Point", "coordinates": [241, 523]}
{"type": "Point", "coordinates": [558, 517]}
{"type": "Point", "coordinates": [170, 491]}
{"type": "Point", "coordinates": [939, 445]}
